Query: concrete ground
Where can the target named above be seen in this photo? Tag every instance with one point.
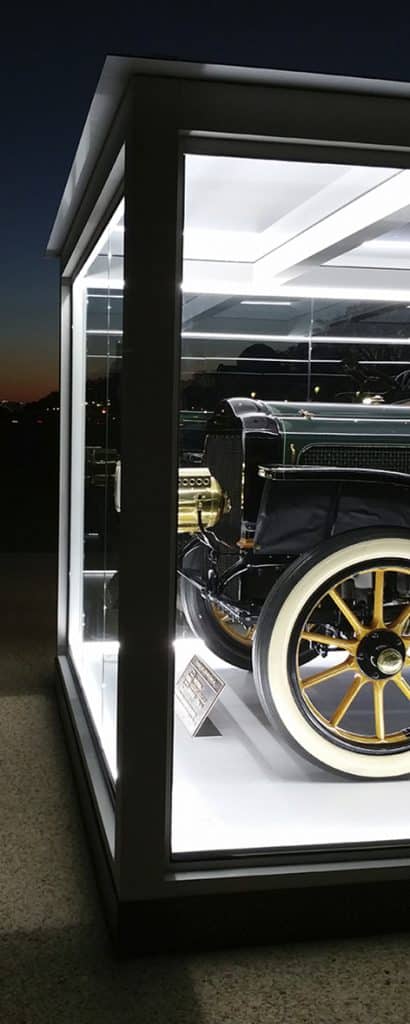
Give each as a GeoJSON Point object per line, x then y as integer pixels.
{"type": "Point", "coordinates": [56, 961]}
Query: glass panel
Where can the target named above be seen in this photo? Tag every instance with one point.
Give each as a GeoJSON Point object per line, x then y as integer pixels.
{"type": "Point", "coordinates": [360, 351]}
{"type": "Point", "coordinates": [97, 353]}
{"type": "Point", "coordinates": [294, 368]}
{"type": "Point", "coordinates": [235, 345]}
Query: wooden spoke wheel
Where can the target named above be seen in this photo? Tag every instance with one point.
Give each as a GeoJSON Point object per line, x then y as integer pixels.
{"type": "Point", "coordinates": [224, 636]}
{"type": "Point", "coordinates": [241, 634]}
{"type": "Point", "coordinates": [348, 707]}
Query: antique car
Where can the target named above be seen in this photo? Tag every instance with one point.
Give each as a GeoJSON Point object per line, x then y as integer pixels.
{"type": "Point", "coordinates": [296, 563]}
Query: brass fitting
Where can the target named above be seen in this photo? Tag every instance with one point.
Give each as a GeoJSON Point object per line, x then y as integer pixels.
{"type": "Point", "coordinates": [201, 500]}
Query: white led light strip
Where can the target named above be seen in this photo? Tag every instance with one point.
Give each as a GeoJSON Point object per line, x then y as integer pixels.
{"type": "Point", "coordinates": [197, 286]}
{"type": "Point", "coordinates": [290, 338]}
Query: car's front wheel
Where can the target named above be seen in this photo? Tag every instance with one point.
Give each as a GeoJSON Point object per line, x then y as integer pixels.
{"type": "Point", "coordinates": [347, 708]}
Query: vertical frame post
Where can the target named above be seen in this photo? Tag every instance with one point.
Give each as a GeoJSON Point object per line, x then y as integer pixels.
{"type": "Point", "coordinates": [149, 495]}
{"type": "Point", "coordinates": [65, 452]}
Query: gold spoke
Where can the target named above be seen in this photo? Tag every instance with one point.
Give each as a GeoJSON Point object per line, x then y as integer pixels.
{"type": "Point", "coordinates": [401, 619]}
{"type": "Point", "coordinates": [348, 674]}
{"type": "Point", "coordinates": [348, 699]}
{"type": "Point", "coordinates": [402, 685]}
{"type": "Point", "coordinates": [378, 620]}
{"type": "Point", "coordinates": [406, 641]}
{"type": "Point", "coordinates": [378, 700]}
{"type": "Point", "coordinates": [329, 673]}
{"type": "Point", "coordinates": [331, 641]}
{"type": "Point", "coordinates": [346, 611]}
{"type": "Point", "coordinates": [241, 634]}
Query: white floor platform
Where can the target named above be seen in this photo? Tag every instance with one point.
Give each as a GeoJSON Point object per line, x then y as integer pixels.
{"type": "Point", "coordinates": [241, 789]}
{"type": "Point", "coordinates": [97, 666]}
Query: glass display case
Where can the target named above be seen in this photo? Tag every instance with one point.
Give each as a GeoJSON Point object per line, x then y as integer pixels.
{"type": "Point", "coordinates": [234, 622]}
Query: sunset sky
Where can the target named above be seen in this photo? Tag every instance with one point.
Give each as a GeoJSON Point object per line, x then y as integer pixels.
{"type": "Point", "coordinates": [48, 77]}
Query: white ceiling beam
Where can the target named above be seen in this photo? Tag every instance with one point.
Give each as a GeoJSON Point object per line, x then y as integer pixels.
{"type": "Point", "coordinates": [350, 283]}
{"type": "Point", "coordinates": [249, 246]}
{"type": "Point", "coordinates": [237, 246]}
{"type": "Point", "coordinates": [350, 184]}
{"type": "Point", "coordinates": [207, 276]}
{"type": "Point", "coordinates": [355, 222]}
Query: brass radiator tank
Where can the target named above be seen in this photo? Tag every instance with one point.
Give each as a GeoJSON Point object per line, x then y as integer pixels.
{"type": "Point", "coordinates": [201, 500]}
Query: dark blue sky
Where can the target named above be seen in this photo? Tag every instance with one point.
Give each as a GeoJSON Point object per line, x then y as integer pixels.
{"type": "Point", "coordinates": [48, 72]}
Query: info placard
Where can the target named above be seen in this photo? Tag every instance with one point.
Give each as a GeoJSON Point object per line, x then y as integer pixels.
{"type": "Point", "coordinates": [196, 692]}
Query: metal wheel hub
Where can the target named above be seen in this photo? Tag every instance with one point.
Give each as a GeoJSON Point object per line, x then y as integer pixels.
{"type": "Point", "coordinates": [381, 653]}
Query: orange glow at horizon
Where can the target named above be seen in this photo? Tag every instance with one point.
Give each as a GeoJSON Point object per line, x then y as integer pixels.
{"type": "Point", "coordinates": [27, 385]}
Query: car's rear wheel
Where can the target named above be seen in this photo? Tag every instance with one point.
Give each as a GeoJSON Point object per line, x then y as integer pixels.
{"type": "Point", "coordinates": [227, 638]}
{"type": "Point", "coordinates": [349, 707]}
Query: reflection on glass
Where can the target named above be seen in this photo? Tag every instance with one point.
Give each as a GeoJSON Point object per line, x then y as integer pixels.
{"type": "Point", "coordinates": [97, 353]}
{"type": "Point", "coordinates": [304, 349]}
{"type": "Point", "coordinates": [360, 350]}
{"type": "Point", "coordinates": [236, 346]}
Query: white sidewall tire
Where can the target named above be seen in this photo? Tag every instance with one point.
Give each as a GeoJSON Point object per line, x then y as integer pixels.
{"type": "Point", "coordinates": [312, 742]}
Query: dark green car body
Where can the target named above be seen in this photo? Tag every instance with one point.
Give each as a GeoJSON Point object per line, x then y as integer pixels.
{"type": "Point", "coordinates": [344, 435]}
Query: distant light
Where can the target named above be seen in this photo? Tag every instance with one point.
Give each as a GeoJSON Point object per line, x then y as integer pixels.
{"type": "Point", "coordinates": [253, 394]}
{"type": "Point", "coordinates": [316, 389]}
{"type": "Point", "coordinates": [14, 421]}
{"type": "Point", "coordinates": [373, 400]}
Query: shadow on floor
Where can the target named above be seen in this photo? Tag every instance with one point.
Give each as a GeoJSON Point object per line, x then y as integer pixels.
{"type": "Point", "coordinates": [69, 975]}
{"type": "Point", "coordinates": [28, 616]}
